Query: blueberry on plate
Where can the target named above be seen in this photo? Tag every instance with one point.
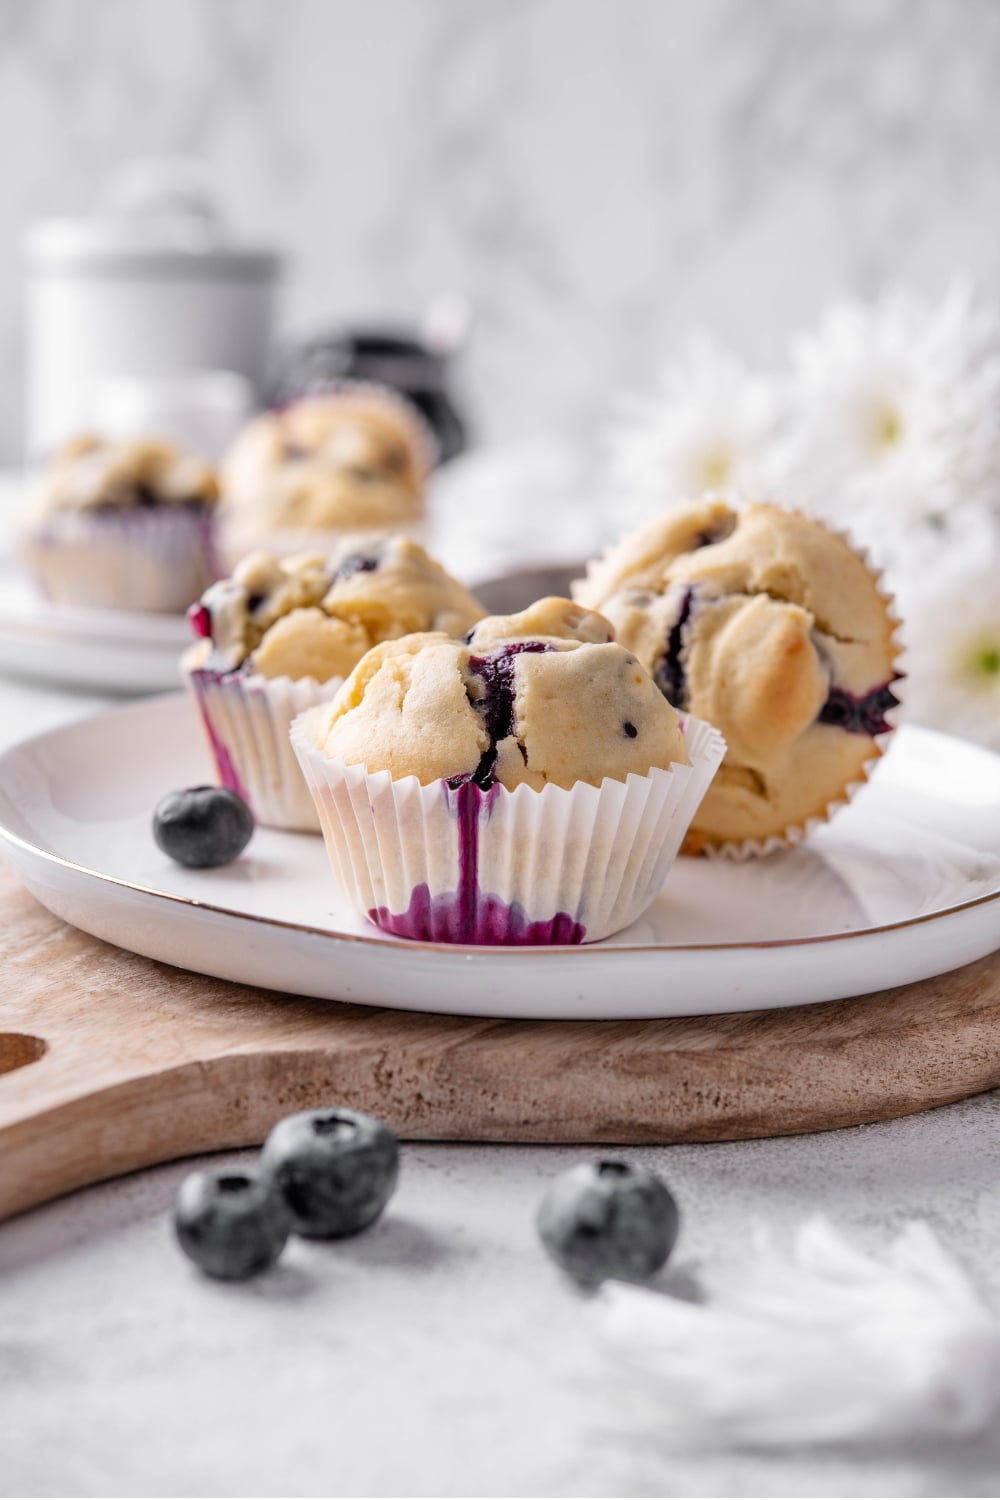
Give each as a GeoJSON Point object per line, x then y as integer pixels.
{"type": "Point", "coordinates": [608, 1219]}
{"type": "Point", "coordinates": [335, 1168]}
{"type": "Point", "coordinates": [202, 826]}
{"type": "Point", "coordinates": [231, 1222]}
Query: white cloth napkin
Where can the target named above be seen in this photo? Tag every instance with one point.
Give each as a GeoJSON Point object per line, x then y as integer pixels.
{"type": "Point", "coordinates": [816, 1343]}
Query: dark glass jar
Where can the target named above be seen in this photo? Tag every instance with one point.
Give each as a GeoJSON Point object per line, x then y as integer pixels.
{"type": "Point", "coordinates": [395, 357]}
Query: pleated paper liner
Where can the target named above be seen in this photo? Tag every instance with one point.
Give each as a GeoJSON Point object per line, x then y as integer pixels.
{"type": "Point", "coordinates": [156, 560]}
{"type": "Point", "coordinates": [446, 863]}
{"type": "Point", "coordinates": [247, 719]}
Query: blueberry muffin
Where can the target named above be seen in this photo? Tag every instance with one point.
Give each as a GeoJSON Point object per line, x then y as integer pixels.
{"type": "Point", "coordinates": [773, 628]}
{"type": "Point", "coordinates": [122, 525]}
{"type": "Point", "coordinates": [282, 633]}
{"type": "Point", "coordinates": [528, 784]}
{"type": "Point", "coordinates": [353, 458]}
{"type": "Point", "coordinates": [533, 699]}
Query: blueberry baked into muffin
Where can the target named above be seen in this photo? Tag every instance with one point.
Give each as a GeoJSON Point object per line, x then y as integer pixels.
{"type": "Point", "coordinates": [122, 525]}
{"type": "Point", "coordinates": [282, 633]}
{"type": "Point", "coordinates": [528, 784]}
{"type": "Point", "coordinates": [773, 628]}
{"type": "Point", "coordinates": [353, 458]}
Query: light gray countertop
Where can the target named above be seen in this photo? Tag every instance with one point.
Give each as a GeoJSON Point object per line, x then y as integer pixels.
{"type": "Point", "coordinates": [441, 1353]}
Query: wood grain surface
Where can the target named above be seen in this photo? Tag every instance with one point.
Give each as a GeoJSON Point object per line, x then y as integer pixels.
{"type": "Point", "coordinates": [110, 1062]}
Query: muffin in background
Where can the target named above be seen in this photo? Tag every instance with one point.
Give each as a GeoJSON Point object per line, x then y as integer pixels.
{"type": "Point", "coordinates": [355, 458]}
{"type": "Point", "coordinates": [526, 785]}
{"type": "Point", "coordinates": [775, 629]}
{"type": "Point", "coordinates": [121, 525]}
{"type": "Point", "coordinates": [281, 634]}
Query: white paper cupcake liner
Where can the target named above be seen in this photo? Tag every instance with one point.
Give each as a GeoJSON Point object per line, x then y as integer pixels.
{"type": "Point", "coordinates": [247, 719]}
{"type": "Point", "coordinates": [455, 864]}
{"type": "Point", "coordinates": [156, 561]}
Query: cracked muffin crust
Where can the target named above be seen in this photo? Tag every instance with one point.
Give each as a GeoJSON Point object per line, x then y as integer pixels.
{"type": "Point", "coordinates": [771, 627]}
{"type": "Point", "coordinates": [354, 457]}
{"type": "Point", "coordinates": [315, 616]}
{"type": "Point", "coordinates": [542, 698]}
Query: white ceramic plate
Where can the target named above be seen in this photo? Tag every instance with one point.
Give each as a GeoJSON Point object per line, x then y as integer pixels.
{"type": "Point", "coordinates": [903, 884]}
{"type": "Point", "coordinates": [102, 650]}
{"type": "Point", "coordinates": [126, 652]}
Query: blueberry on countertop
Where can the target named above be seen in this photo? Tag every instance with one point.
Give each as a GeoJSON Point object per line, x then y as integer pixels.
{"type": "Point", "coordinates": [335, 1168]}
{"type": "Point", "coordinates": [203, 826]}
{"type": "Point", "coordinates": [608, 1219]}
{"type": "Point", "coordinates": [231, 1222]}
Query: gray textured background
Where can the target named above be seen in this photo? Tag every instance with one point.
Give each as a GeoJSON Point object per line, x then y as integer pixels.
{"type": "Point", "coordinates": [597, 175]}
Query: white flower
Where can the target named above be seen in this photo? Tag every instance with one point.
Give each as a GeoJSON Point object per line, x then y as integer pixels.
{"type": "Point", "coordinates": [948, 594]}
{"type": "Point", "coordinates": [894, 413]}
{"type": "Point", "coordinates": [816, 1343]}
{"type": "Point", "coordinates": [709, 426]}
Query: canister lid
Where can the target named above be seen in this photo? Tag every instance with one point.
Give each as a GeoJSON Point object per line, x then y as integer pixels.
{"type": "Point", "coordinates": [157, 218]}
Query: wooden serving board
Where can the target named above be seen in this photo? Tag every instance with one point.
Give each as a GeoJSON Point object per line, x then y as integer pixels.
{"type": "Point", "coordinates": [110, 1062]}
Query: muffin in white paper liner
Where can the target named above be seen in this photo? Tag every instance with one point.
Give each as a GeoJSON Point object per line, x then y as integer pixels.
{"type": "Point", "coordinates": [156, 560]}
{"type": "Point", "coordinates": [247, 718]}
{"type": "Point", "coordinates": [601, 577]}
{"type": "Point", "coordinates": [453, 863]}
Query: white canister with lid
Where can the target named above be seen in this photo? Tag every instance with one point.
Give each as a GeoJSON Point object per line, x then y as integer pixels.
{"type": "Point", "coordinates": [149, 288]}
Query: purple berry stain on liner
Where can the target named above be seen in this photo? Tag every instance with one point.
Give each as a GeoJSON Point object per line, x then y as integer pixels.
{"type": "Point", "coordinates": [860, 715]}
{"type": "Point", "coordinates": [469, 915]}
{"type": "Point", "coordinates": [228, 774]}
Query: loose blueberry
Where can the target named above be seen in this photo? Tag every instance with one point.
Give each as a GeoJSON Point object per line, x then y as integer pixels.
{"type": "Point", "coordinates": [231, 1222]}
{"type": "Point", "coordinates": [335, 1168]}
{"type": "Point", "coordinates": [607, 1219]}
{"type": "Point", "coordinates": [203, 826]}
